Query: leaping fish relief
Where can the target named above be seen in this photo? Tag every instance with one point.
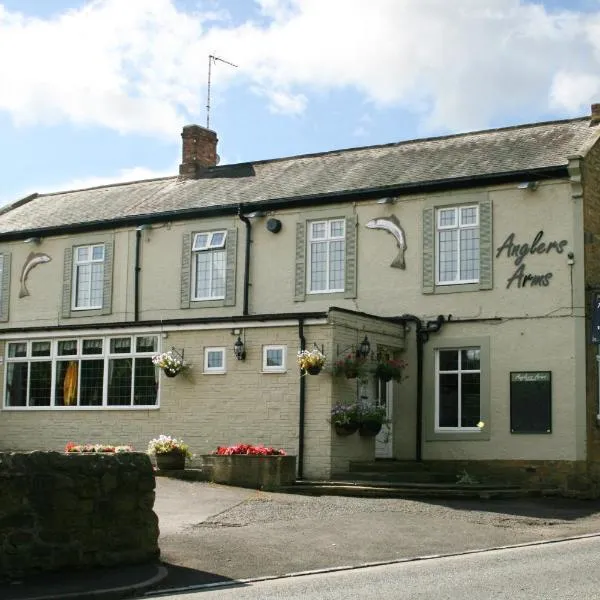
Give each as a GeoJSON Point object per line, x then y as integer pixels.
{"type": "Point", "coordinates": [392, 225]}
{"type": "Point", "coordinates": [33, 260]}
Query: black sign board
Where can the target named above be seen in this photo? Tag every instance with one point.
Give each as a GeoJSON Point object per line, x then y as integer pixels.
{"type": "Point", "coordinates": [595, 332]}
{"type": "Point", "coordinates": [531, 402]}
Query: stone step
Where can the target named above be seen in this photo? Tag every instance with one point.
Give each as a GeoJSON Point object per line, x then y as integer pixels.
{"type": "Point", "coordinates": [407, 490]}
{"type": "Point", "coordinates": [387, 466]}
{"type": "Point", "coordinates": [397, 476]}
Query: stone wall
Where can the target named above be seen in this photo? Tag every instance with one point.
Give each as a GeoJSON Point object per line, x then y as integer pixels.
{"type": "Point", "coordinates": [71, 511]}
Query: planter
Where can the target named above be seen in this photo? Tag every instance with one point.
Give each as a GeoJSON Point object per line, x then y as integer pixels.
{"type": "Point", "coordinates": [174, 461]}
{"type": "Point", "coordinates": [251, 471]}
{"type": "Point", "coordinates": [385, 377]}
{"type": "Point", "coordinates": [171, 372]}
{"type": "Point", "coordinates": [313, 370]}
{"type": "Point", "coordinates": [346, 429]}
{"type": "Point", "coordinates": [369, 428]}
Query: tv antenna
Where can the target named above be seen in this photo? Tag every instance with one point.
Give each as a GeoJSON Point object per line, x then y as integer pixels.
{"type": "Point", "coordinates": [213, 59]}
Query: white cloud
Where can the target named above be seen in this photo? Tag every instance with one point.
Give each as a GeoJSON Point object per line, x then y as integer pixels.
{"type": "Point", "coordinates": [140, 65]}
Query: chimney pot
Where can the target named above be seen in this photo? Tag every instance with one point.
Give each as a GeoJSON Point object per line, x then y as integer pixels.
{"type": "Point", "coordinates": [199, 150]}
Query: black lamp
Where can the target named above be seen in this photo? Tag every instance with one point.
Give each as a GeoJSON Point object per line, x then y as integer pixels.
{"type": "Point", "coordinates": [238, 349]}
{"type": "Point", "coordinates": [364, 348]}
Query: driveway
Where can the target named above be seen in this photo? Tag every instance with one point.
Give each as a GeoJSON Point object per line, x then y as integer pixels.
{"type": "Point", "coordinates": [217, 533]}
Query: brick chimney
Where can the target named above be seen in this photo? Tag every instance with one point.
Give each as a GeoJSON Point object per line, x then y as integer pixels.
{"type": "Point", "coordinates": [199, 150]}
{"type": "Point", "coordinates": [595, 118]}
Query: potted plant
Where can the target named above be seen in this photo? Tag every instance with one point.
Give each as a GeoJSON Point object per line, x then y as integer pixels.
{"type": "Point", "coordinates": [170, 452]}
{"type": "Point", "coordinates": [311, 361]}
{"type": "Point", "coordinates": [387, 369]}
{"type": "Point", "coordinates": [371, 419]}
{"type": "Point", "coordinates": [351, 367]}
{"type": "Point", "coordinates": [344, 418]}
{"type": "Point", "coordinates": [170, 362]}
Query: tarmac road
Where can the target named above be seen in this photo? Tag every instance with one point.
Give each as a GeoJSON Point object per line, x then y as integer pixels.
{"type": "Point", "coordinates": [213, 533]}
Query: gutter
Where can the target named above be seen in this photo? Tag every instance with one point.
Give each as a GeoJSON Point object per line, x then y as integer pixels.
{"type": "Point", "coordinates": [136, 277]}
{"type": "Point", "coordinates": [556, 172]}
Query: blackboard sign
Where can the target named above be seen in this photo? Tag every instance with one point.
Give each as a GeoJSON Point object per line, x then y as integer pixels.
{"type": "Point", "coordinates": [595, 321]}
{"type": "Point", "coordinates": [531, 402]}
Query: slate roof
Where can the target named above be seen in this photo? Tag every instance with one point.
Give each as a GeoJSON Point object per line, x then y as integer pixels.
{"type": "Point", "coordinates": [408, 165]}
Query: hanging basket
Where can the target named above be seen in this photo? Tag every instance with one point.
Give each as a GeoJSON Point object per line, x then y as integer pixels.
{"type": "Point", "coordinates": [314, 370]}
{"type": "Point", "coordinates": [369, 428]}
{"type": "Point", "coordinates": [346, 428]}
{"type": "Point", "coordinates": [172, 461]}
{"type": "Point", "coordinates": [171, 372]}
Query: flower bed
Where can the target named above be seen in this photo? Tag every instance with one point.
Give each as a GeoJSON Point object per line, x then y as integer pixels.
{"type": "Point", "coordinates": [72, 447]}
{"type": "Point", "coordinates": [247, 465]}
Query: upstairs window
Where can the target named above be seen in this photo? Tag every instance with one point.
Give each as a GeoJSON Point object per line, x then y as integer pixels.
{"type": "Point", "coordinates": [88, 277]}
{"type": "Point", "coordinates": [326, 255]}
{"type": "Point", "coordinates": [209, 265]}
{"type": "Point", "coordinates": [457, 245]}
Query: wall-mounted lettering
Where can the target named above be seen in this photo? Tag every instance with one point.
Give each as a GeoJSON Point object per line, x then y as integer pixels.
{"type": "Point", "coordinates": [520, 251]}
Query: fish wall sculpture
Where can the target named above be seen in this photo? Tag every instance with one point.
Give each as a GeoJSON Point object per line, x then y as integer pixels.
{"type": "Point", "coordinates": [33, 260]}
{"type": "Point", "coordinates": [392, 225]}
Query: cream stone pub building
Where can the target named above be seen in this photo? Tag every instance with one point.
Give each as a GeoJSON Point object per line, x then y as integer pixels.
{"type": "Point", "coordinates": [473, 257]}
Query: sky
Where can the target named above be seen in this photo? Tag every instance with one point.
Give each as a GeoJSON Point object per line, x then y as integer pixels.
{"type": "Point", "coordinates": [97, 91]}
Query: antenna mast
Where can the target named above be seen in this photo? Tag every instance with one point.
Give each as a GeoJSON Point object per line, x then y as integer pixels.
{"type": "Point", "coordinates": [212, 59]}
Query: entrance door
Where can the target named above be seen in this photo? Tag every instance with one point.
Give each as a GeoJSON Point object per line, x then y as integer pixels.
{"type": "Point", "coordinates": [384, 439]}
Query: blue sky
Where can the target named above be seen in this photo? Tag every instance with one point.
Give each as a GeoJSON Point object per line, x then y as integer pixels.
{"type": "Point", "coordinates": [94, 92]}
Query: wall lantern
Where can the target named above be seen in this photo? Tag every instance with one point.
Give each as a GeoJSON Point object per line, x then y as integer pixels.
{"type": "Point", "coordinates": [36, 241]}
{"type": "Point", "coordinates": [239, 349]}
{"type": "Point", "coordinates": [364, 348]}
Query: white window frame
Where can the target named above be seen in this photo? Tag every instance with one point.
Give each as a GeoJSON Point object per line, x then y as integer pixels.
{"type": "Point", "coordinates": [328, 239]}
{"type": "Point", "coordinates": [212, 244]}
{"type": "Point", "coordinates": [282, 368]}
{"type": "Point", "coordinates": [458, 226]}
{"type": "Point", "coordinates": [215, 370]}
{"type": "Point", "coordinates": [75, 274]}
{"type": "Point", "coordinates": [55, 358]}
{"type": "Point", "coordinates": [459, 371]}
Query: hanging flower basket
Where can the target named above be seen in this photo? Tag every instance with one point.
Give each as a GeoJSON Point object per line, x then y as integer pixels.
{"type": "Point", "coordinates": [387, 369]}
{"type": "Point", "coordinates": [311, 361]}
{"type": "Point", "coordinates": [170, 362]}
{"type": "Point", "coordinates": [371, 419]}
{"type": "Point", "coordinates": [350, 367]}
{"type": "Point", "coordinates": [344, 418]}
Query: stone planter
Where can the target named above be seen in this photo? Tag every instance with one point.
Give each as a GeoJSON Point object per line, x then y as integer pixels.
{"type": "Point", "coordinates": [257, 472]}
{"type": "Point", "coordinates": [173, 461]}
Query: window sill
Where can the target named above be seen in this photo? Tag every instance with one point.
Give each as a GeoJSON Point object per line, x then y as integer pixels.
{"type": "Point", "coordinates": [75, 408]}
{"type": "Point", "coordinates": [214, 372]}
{"type": "Point", "coordinates": [460, 435]}
{"type": "Point", "coordinates": [274, 371]}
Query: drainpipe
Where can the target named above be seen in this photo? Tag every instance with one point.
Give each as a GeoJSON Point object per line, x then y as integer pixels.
{"type": "Point", "coordinates": [246, 220]}
{"type": "Point", "coordinates": [136, 278]}
{"type": "Point", "coordinates": [422, 336]}
{"type": "Point", "coordinates": [302, 404]}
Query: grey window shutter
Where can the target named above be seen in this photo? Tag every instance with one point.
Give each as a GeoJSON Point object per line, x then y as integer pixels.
{"type": "Point", "coordinates": [67, 281]}
{"type": "Point", "coordinates": [230, 269]}
{"type": "Point", "coordinates": [350, 283]}
{"type": "Point", "coordinates": [108, 278]}
{"type": "Point", "coordinates": [5, 287]}
{"type": "Point", "coordinates": [428, 251]}
{"type": "Point", "coordinates": [300, 283]}
{"type": "Point", "coordinates": [485, 245]}
{"type": "Point", "coordinates": [186, 259]}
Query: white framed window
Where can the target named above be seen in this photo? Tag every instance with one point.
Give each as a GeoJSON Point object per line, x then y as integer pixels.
{"type": "Point", "coordinates": [274, 359]}
{"type": "Point", "coordinates": [214, 360]}
{"type": "Point", "coordinates": [209, 265]}
{"type": "Point", "coordinates": [457, 389]}
{"type": "Point", "coordinates": [94, 372]}
{"type": "Point", "coordinates": [88, 277]}
{"type": "Point", "coordinates": [326, 255]}
{"type": "Point", "coordinates": [457, 245]}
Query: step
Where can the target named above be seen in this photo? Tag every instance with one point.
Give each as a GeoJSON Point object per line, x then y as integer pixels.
{"type": "Point", "coordinates": [387, 466]}
{"type": "Point", "coordinates": [397, 476]}
{"type": "Point", "coordinates": [430, 490]}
